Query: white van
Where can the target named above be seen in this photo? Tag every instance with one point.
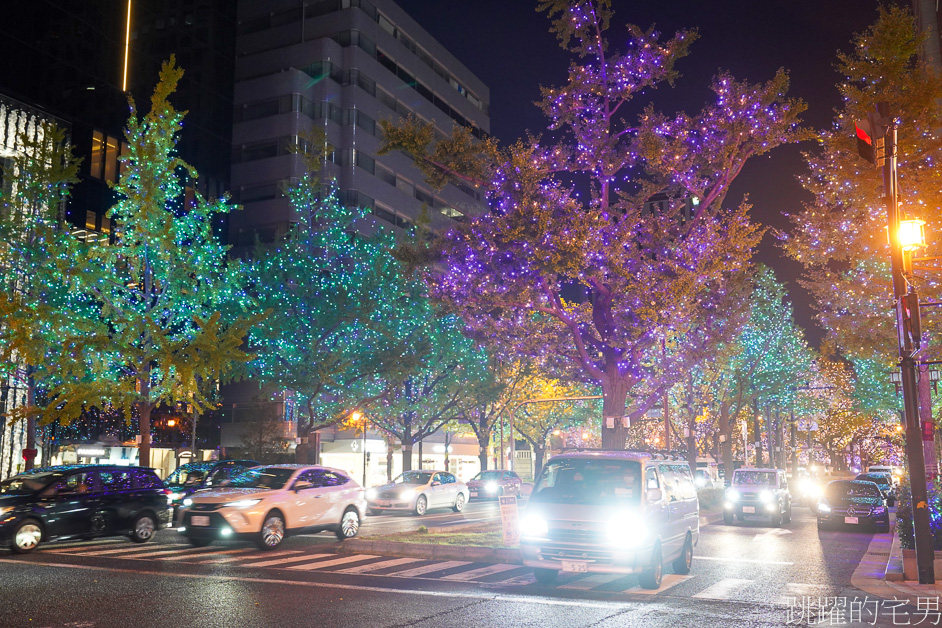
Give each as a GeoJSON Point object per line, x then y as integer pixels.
{"type": "Point", "coordinates": [620, 512]}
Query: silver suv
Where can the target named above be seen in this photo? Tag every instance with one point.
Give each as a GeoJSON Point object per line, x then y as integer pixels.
{"type": "Point", "coordinates": [620, 512]}
{"type": "Point", "coordinates": [758, 493]}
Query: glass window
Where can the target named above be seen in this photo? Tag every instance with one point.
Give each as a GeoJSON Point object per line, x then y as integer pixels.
{"type": "Point", "coordinates": [98, 155]}
{"type": "Point", "coordinates": [413, 477]}
{"type": "Point", "coordinates": [650, 478]}
{"type": "Point", "coordinates": [262, 477]}
{"type": "Point", "coordinates": [448, 478]}
{"type": "Point", "coordinates": [111, 159]}
{"type": "Point", "coordinates": [748, 477]}
{"type": "Point", "coordinates": [146, 479]}
{"type": "Point", "coordinates": [589, 481]}
{"type": "Point", "coordinates": [115, 481]}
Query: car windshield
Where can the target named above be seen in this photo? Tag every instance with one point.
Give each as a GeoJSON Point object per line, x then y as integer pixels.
{"type": "Point", "coordinates": [853, 489]}
{"type": "Point", "coordinates": [188, 474]}
{"type": "Point", "coordinates": [265, 477]}
{"type": "Point", "coordinates": [754, 478]}
{"type": "Point", "coordinates": [413, 477]}
{"type": "Point", "coordinates": [876, 478]}
{"type": "Point", "coordinates": [589, 481]}
{"type": "Point", "coordinates": [488, 476]}
{"type": "Point", "coordinates": [28, 484]}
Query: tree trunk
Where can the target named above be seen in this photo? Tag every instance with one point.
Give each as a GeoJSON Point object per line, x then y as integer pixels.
{"type": "Point", "coordinates": [143, 425]}
{"type": "Point", "coordinates": [757, 432]}
{"type": "Point", "coordinates": [614, 396]}
{"type": "Point", "coordinates": [538, 453]}
{"type": "Point", "coordinates": [406, 455]}
{"type": "Point", "coordinates": [389, 461]}
{"type": "Point", "coordinates": [727, 444]}
{"type": "Point", "coordinates": [30, 453]}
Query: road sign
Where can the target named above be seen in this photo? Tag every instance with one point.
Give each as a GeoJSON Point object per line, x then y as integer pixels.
{"type": "Point", "coordinates": [510, 520]}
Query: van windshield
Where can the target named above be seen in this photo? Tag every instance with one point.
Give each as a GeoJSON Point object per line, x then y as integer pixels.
{"type": "Point", "coordinates": [589, 481]}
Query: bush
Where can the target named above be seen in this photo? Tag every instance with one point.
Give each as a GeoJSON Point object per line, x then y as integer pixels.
{"type": "Point", "coordinates": [710, 498]}
{"type": "Point", "coordinates": [904, 515]}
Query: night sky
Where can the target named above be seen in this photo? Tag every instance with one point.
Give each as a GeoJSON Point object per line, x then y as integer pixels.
{"type": "Point", "coordinates": [507, 44]}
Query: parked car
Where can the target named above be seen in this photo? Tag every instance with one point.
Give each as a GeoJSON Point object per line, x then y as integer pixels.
{"type": "Point", "coordinates": [853, 503]}
{"type": "Point", "coordinates": [494, 484]}
{"type": "Point", "coordinates": [758, 493]}
{"type": "Point", "coordinates": [703, 479]}
{"type": "Point", "coordinates": [269, 503]}
{"type": "Point", "coordinates": [615, 512]}
{"type": "Point", "coordinates": [189, 478]}
{"type": "Point", "coordinates": [895, 473]}
{"type": "Point", "coordinates": [81, 501]}
{"type": "Point", "coordinates": [884, 481]}
{"type": "Point", "coordinates": [419, 491]}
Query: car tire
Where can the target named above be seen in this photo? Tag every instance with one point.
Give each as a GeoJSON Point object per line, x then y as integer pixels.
{"type": "Point", "coordinates": [788, 514]}
{"type": "Point", "coordinates": [545, 576]}
{"type": "Point", "coordinates": [27, 535]}
{"type": "Point", "coordinates": [682, 563]}
{"type": "Point", "coordinates": [273, 531]}
{"type": "Point", "coordinates": [821, 526]}
{"type": "Point", "coordinates": [349, 524]}
{"type": "Point", "coordinates": [421, 505]}
{"type": "Point", "coordinates": [198, 542]}
{"type": "Point", "coordinates": [143, 528]}
{"type": "Point", "coordinates": [651, 578]}
{"type": "Point", "coordinates": [728, 518]}
{"type": "Point", "coordinates": [459, 503]}
{"type": "Point", "coordinates": [776, 520]}
{"type": "Point", "coordinates": [883, 527]}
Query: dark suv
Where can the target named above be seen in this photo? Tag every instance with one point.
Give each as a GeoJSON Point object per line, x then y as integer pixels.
{"type": "Point", "coordinates": [758, 493]}
{"type": "Point", "coordinates": [884, 481]}
{"type": "Point", "coordinates": [189, 478]}
{"type": "Point", "coordinates": [81, 501]}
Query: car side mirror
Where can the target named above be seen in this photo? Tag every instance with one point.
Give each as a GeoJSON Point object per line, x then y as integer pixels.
{"type": "Point", "coordinates": [301, 485]}
{"type": "Point", "coordinates": [654, 495]}
{"type": "Point", "coordinates": [436, 483]}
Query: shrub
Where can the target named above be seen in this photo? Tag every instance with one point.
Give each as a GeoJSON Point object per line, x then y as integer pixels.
{"type": "Point", "coordinates": [904, 515]}
{"type": "Point", "coordinates": [710, 498]}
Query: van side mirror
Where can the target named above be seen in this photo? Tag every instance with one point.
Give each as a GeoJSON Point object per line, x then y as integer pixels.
{"type": "Point", "coordinates": [654, 495]}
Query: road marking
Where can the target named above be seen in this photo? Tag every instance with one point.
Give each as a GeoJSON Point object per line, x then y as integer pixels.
{"type": "Point", "coordinates": [590, 582]}
{"type": "Point", "coordinates": [466, 576]}
{"type": "Point", "coordinates": [418, 571]}
{"type": "Point", "coordinates": [79, 546]}
{"type": "Point", "coordinates": [724, 559]}
{"type": "Point", "coordinates": [188, 551]}
{"type": "Point", "coordinates": [224, 559]}
{"type": "Point", "coordinates": [330, 563]}
{"type": "Point", "coordinates": [723, 589]}
{"type": "Point", "coordinates": [799, 591]}
{"type": "Point", "coordinates": [764, 536]}
{"type": "Point", "coordinates": [493, 597]}
{"type": "Point", "coordinates": [516, 581]}
{"type": "Point", "coordinates": [380, 565]}
{"type": "Point", "coordinates": [282, 561]}
{"type": "Point", "coordinates": [134, 549]}
{"type": "Point", "coordinates": [669, 580]}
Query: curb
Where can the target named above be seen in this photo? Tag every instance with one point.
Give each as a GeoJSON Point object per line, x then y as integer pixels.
{"type": "Point", "coordinates": [432, 551]}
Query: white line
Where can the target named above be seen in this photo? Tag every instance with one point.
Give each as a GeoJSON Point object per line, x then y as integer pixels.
{"type": "Point", "coordinates": [799, 591]}
{"type": "Point", "coordinates": [132, 549]}
{"type": "Point", "coordinates": [467, 576]}
{"type": "Point", "coordinates": [189, 551]}
{"type": "Point", "coordinates": [380, 565]}
{"type": "Point", "coordinates": [590, 582]}
{"type": "Point", "coordinates": [724, 559]}
{"type": "Point", "coordinates": [418, 571]}
{"type": "Point", "coordinates": [330, 563]}
{"type": "Point", "coordinates": [229, 559]}
{"type": "Point", "coordinates": [296, 559]}
{"type": "Point", "coordinates": [497, 597]}
{"type": "Point", "coordinates": [79, 546]}
{"type": "Point", "coordinates": [669, 580]}
{"type": "Point", "coordinates": [723, 589]}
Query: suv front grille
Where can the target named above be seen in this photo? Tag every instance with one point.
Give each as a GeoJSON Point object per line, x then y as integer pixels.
{"type": "Point", "coordinates": [204, 507]}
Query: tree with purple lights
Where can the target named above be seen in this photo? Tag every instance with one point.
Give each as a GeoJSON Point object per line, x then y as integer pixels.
{"type": "Point", "coordinates": [632, 283]}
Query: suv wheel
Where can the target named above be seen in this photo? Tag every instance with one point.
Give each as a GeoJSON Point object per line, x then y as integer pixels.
{"type": "Point", "coordinates": [26, 536]}
{"type": "Point", "coordinates": [727, 518]}
{"type": "Point", "coordinates": [788, 514]}
{"type": "Point", "coordinates": [273, 531]}
{"type": "Point", "coordinates": [777, 519]}
{"type": "Point", "coordinates": [349, 525]}
{"type": "Point", "coordinates": [683, 562]}
{"type": "Point", "coordinates": [143, 528]}
{"type": "Point", "coordinates": [651, 578]}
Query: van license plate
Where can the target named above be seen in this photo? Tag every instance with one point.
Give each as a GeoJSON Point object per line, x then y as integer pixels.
{"type": "Point", "coordinates": [749, 509]}
{"type": "Point", "coordinates": [850, 519]}
{"type": "Point", "coordinates": [575, 566]}
{"type": "Point", "coordinates": [199, 520]}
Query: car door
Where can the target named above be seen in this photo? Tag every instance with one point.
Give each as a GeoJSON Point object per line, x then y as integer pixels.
{"type": "Point", "coordinates": [70, 504]}
{"type": "Point", "coordinates": [118, 500]}
{"type": "Point", "coordinates": [656, 511]}
{"type": "Point", "coordinates": [309, 499]}
{"type": "Point", "coordinates": [437, 491]}
{"type": "Point", "coordinates": [449, 489]}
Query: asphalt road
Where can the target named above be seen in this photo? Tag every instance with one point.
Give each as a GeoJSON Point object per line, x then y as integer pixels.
{"type": "Point", "coordinates": [743, 575]}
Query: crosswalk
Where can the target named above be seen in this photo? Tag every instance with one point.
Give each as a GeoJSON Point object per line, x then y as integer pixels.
{"type": "Point", "coordinates": [495, 575]}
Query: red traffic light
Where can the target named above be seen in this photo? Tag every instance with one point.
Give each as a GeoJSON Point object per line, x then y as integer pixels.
{"type": "Point", "coordinates": [871, 140]}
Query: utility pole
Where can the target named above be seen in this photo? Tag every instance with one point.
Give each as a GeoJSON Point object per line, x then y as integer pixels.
{"type": "Point", "coordinates": [881, 125]}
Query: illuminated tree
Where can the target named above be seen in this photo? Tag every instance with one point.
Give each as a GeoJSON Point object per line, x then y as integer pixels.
{"type": "Point", "coordinates": [153, 327]}
{"type": "Point", "coordinates": [596, 286]}
{"type": "Point", "coordinates": [840, 236]}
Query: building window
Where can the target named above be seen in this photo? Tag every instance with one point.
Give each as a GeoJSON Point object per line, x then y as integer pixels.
{"type": "Point", "coordinates": [103, 163]}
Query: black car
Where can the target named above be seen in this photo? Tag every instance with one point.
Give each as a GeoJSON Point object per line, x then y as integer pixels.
{"type": "Point", "coordinates": [884, 481]}
{"type": "Point", "coordinates": [853, 503]}
{"type": "Point", "coordinates": [193, 476]}
{"type": "Point", "coordinates": [81, 501]}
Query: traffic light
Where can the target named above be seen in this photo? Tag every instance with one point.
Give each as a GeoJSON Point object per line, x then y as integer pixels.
{"type": "Point", "coordinates": [871, 139]}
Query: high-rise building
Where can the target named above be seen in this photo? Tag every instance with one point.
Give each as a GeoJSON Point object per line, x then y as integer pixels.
{"type": "Point", "coordinates": [342, 66]}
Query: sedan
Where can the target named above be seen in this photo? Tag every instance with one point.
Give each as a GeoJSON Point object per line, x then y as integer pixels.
{"type": "Point", "coordinates": [417, 491]}
{"type": "Point", "coordinates": [884, 481]}
{"type": "Point", "coordinates": [853, 503]}
{"type": "Point", "coordinates": [494, 484]}
{"type": "Point", "coordinates": [268, 503]}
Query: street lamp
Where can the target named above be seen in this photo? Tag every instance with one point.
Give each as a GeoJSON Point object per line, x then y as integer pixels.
{"type": "Point", "coordinates": [912, 234]}
{"type": "Point", "coordinates": [357, 416]}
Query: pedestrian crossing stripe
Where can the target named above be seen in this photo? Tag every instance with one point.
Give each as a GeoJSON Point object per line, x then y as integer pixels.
{"type": "Point", "coordinates": [425, 569]}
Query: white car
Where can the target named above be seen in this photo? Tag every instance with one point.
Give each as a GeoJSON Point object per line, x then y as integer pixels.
{"type": "Point", "coordinates": [417, 491]}
{"type": "Point", "coordinates": [268, 503]}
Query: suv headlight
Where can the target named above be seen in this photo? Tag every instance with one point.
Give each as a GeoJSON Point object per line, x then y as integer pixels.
{"type": "Point", "coordinates": [187, 502]}
{"type": "Point", "coordinates": [732, 495]}
{"type": "Point", "coordinates": [765, 496]}
{"type": "Point", "coordinates": [491, 487]}
{"type": "Point", "coordinates": [533, 525]}
{"type": "Point", "coordinates": [823, 507]}
{"type": "Point", "coordinates": [627, 530]}
{"type": "Point", "coordinates": [242, 503]}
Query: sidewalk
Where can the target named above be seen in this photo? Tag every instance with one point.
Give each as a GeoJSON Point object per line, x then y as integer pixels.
{"type": "Point", "coordinates": [880, 572]}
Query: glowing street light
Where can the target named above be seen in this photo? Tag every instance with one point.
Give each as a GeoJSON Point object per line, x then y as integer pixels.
{"type": "Point", "coordinates": [912, 234]}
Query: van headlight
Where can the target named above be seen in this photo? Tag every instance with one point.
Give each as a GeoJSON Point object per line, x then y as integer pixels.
{"type": "Point", "coordinates": [533, 525]}
{"type": "Point", "coordinates": [242, 503]}
{"type": "Point", "coordinates": [627, 530]}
